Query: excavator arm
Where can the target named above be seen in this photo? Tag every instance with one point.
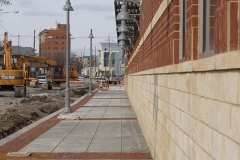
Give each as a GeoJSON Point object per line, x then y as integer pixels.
{"type": "Point", "coordinates": [35, 59]}
{"type": "Point", "coordinates": [7, 53]}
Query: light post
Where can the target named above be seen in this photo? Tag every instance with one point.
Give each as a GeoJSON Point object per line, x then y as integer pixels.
{"type": "Point", "coordinates": [90, 83]}
{"type": "Point", "coordinates": [105, 63]}
{"type": "Point", "coordinates": [67, 108]}
{"type": "Point", "coordinates": [95, 75]}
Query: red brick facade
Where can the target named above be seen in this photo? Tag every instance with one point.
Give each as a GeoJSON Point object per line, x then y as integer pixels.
{"type": "Point", "coordinates": [162, 45]}
{"type": "Point", "coordinates": [53, 43]}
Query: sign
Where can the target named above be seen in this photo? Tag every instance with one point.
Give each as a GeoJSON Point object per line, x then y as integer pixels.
{"type": "Point", "coordinates": [7, 77]}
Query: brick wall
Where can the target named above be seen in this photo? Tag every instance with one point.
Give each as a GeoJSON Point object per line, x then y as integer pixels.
{"type": "Point", "coordinates": [187, 109]}
{"type": "Point", "coordinates": [190, 110]}
{"type": "Point", "coordinates": [55, 44]}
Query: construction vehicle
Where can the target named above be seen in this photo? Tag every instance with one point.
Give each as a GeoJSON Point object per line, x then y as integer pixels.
{"type": "Point", "coordinates": [10, 77]}
{"type": "Point", "coordinates": [34, 65]}
{"type": "Point", "coordinates": [55, 73]}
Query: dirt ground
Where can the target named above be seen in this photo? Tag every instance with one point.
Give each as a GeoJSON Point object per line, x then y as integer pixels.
{"type": "Point", "coordinates": [16, 113]}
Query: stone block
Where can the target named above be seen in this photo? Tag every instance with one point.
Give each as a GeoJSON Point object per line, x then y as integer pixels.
{"type": "Point", "coordinates": [235, 123]}
{"type": "Point", "coordinates": [33, 84]}
{"type": "Point", "coordinates": [224, 117]}
{"type": "Point", "coordinates": [44, 86]}
{"type": "Point", "coordinates": [230, 86]}
{"type": "Point", "coordinates": [212, 110]}
{"type": "Point", "coordinates": [201, 154]}
{"type": "Point", "coordinates": [218, 145]}
{"type": "Point", "coordinates": [231, 149]}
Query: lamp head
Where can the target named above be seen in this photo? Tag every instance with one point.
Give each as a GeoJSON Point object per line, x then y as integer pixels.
{"type": "Point", "coordinates": [122, 36]}
{"type": "Point", "coordinates": [122, 44]}
{"type": "Point", "coordinates": [67, 6]}
{"type": "Point", "coordinates": [123, 27]}
{"type": "Point", "coordinates": [124, 14]}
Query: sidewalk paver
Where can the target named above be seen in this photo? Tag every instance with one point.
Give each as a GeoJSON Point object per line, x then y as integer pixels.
{"type": "Point", "coordinates": [108, 129]}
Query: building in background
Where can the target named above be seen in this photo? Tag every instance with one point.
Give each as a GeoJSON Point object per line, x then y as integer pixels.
{"type": "Point", "coordinates": [52, 43]}
{"type": "Point", "coordinates": [18, 51]}
{"type": "Point", "coordinates": [117, 64]}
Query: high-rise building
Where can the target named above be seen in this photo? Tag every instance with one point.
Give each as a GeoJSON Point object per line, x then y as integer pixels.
{"type": "Point", "coordinates": [53, 43]}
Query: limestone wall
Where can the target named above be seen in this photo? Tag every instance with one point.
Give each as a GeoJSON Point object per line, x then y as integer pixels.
{"type": "Point", "coordinates": [190, 110]}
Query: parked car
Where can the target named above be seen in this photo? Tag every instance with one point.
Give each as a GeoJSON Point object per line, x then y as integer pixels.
{"type": "Point", "coordinates": [42, 79]}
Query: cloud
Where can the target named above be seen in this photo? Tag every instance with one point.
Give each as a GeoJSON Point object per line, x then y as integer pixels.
{"type": "Point", "coordinates": [41, 13]}
{"type": "Point", "coordinates": [25, 3]}
{"type": "Point", "coordinates": [93, 7]}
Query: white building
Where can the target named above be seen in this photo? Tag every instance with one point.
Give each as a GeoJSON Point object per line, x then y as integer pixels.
{"type": "Point", "coordinates": [117, 65]}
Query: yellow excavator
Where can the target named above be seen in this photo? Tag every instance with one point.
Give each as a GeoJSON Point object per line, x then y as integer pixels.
{"type": "Point", "coordinates": [34, 65]}
{"type": "Point", "coordinates": [55, 73]}
{"type": "Point", "coordinates": [10, 77]}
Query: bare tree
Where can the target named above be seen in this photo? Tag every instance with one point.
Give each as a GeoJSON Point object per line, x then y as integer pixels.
{"type": "Point", "coordinates": [60, 58]}
{"type": "Point", "coordinates": [5, 2]}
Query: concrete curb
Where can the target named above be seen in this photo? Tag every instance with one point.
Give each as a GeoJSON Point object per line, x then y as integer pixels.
{"type": "Point", "coordinates": [34, 124]}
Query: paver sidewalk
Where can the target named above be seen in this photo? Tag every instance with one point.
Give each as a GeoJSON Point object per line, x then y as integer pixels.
{"type": "Point", "coordinates": [107, 129]}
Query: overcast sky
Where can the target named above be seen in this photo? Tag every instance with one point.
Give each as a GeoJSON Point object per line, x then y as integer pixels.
{"type": "Point", "coordinates": [37, 15]}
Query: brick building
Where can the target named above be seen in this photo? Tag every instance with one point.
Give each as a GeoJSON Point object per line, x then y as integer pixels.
{"type": "Point", "coordinates": [53, 42]}
{"type": "Point", "coordinates": [183, 76]}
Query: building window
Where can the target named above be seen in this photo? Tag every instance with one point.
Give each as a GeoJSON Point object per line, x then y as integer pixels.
{"type": "Point", "coordinates": [57, 43]}
{"type": "Point", "coordinates": [113, 56]}
{"type": "Point", "coordinates": [62, 42]}
{"type": "Point", "coordinates": [206, 28]}
{"type": "Point", "coordinates": [183, 11]}
{"type": "Point", "coordinates": [48, 48]}
{"type": "Point", "coordinates": [62, 37]}
{"type": "Point", "coordinates": [56, 37]}
{"type": "Point", "coordinates": [106, 55]}
{"type": "Point", "coordinates": [62, 48]}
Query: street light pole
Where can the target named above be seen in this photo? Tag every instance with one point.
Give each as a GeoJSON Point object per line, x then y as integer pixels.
{"type": "Point", "coordinates": [90, 83]}
{"type": "Point", "coordinates": [95, 73]}
{"type": "Point", "coordinates": [105, 63]}
{"type": "Point", "coordinates": [67, 108]}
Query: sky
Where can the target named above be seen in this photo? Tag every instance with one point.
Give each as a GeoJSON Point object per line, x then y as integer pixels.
{"type": "Point", "coordinates": [38, 15]}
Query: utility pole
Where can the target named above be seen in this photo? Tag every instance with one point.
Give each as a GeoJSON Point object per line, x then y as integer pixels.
{"type": "Point", "coordinates": [18, 45]}
{"type": "Point", "coordinates": [95, 63]}
{"type": "Point", "coordinates": [110, 57]}
{"type": "Point", "coordinates": [34, 43]}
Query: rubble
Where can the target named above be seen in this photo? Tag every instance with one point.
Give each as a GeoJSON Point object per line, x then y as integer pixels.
{"type": "Point", "coordinates": [16, 113]}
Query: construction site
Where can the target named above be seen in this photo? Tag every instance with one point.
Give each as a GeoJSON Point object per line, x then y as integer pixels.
{"type": "Point", "coordinates": [23, 99]}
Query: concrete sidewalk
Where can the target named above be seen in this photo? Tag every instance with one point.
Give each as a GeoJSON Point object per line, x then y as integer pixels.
{"type": "Point", "coordinates": [108, 129]}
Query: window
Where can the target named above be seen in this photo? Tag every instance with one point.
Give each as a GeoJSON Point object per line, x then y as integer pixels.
{"type": "Point", "coordinates": [62, 42]}
{"type": "Point", "coordinates": [56, 37]}
{"type": "Point", "coordinates": [206, 28]}
{"type": "Point", "coordinates": [183, 11]}
{"type": "Point", "coordinates": [56, 43]}
{"type": "Point", "coordinates": [62, 37]}
{"type": "Point", "coordinates": [113, 56]}
{"type": "Point", "coordinates": [48, 48]}
{"type": "Point", "coordinates": [106, 59]}
{"type": "Point", "coordinates": [62, 48]}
